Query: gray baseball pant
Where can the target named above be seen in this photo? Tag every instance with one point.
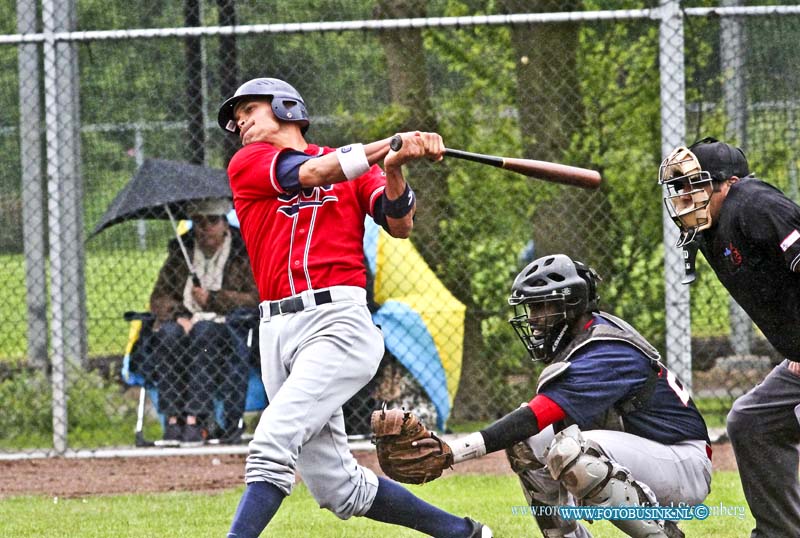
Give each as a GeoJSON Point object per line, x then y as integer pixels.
{"type": "Point", "coordinates": [765, 434]}
{"type": "Point", "coordinates": [312, 362]}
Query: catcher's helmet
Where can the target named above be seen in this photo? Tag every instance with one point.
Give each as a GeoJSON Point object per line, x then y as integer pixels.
{"type": "Point", "coordinates": [287, 103]}
{"type": "Point", "coordinates": [547, 295]}
{"type": "Point", "coordinates": [687, 172]}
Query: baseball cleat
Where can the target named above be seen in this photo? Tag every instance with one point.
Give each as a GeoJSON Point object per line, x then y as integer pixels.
{"type": "Point", "coordinates": [479, 530]}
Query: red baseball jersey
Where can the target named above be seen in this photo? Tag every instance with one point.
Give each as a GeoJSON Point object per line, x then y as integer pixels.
{"type": "Point", "coordinates": [309, 239]}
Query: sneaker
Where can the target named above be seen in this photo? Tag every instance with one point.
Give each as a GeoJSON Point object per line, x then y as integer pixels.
{"type": "Point", "coordinates": [173, 432]}
{"type": "Point", "coordinates": [232, 436]}
{"type": "Point", "coordinates": [222, 437]}
{"type": "Point", "coordinates": [193, 435]}
{"type": "Point", "coordinates": [479, 530]}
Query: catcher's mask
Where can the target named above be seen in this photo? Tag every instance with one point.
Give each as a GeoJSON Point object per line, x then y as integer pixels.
{"type": "Point", "coordinates": [548, 295]}
{"type": "Point", "coordinates": [691, 175]}
{"type": "Point", "coordinates": [287, 103]}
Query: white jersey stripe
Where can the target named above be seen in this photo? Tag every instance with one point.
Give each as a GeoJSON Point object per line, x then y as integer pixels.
{"type": "Point", "coordinates": [291, 249]}
{"type": "Point", "coordinates": [377, 192]}
{"type": "Point", "coordinates": [317, 191]}
{"type": "Point", "coordinates": [793, 265]}
{"type": "Point", "coordinates": [272, 169]}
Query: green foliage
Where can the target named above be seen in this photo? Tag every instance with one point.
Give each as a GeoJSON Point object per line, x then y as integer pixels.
{"type": "Point", "coordinates": [99, 414]}
{"type": "Point", "coordinates": [619, 88]}
{"type": "Point", "coordinates": [26, 420]}
{"type": "Point", "coordinates": [115, 283]}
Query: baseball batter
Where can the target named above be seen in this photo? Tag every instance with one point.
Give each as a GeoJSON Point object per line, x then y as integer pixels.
{"type": "Point", "coordinates": [302, 209]}
{"type": "Point", "coordinates": [750, 234]}
{"type": "Point", "coordinates": [609, 425]}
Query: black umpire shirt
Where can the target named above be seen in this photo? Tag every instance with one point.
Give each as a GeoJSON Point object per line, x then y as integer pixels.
{"type": "Point", "coordinates": [754, 248]}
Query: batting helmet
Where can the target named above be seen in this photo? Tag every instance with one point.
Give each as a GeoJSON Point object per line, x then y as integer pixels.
{"type": "Point", "coordinates": [287, 103]}
{"type": "Point", "coordinates": [547, 295]}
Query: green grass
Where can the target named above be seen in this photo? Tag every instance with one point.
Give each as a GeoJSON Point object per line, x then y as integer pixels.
{"type": "Point", "coordinates": [486, 498]}
{"type": "Point", "coordinates": [115, 282]}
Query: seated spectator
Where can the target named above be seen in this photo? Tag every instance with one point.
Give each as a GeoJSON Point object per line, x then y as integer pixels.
{"type": "Point", "coordinates": [199, 349]}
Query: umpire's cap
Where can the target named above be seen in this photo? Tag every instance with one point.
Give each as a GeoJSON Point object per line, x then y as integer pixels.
{"type": "Point", "coordinates": [287, 103]}
{"type": "Point", "coordinates": [719, 159]}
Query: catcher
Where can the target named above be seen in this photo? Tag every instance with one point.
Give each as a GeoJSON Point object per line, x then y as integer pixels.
{"type": "Point", "coordinates": [609, 424]}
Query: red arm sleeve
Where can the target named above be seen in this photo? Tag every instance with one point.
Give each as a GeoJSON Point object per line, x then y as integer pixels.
{"type": "Point", "coordinates": [546, 410]}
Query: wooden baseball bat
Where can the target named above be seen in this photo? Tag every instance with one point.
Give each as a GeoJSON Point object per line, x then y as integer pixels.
{"type": "Point", "coordinates": [544, 170]}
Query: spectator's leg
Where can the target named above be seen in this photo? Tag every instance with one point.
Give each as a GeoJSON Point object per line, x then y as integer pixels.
{"type": "Point", "coordinates": [168, 347]}
{"type": "Point", "coordinates": [207, 349]}
{"type": "Point", "coordinates": [764, 432]}
{"type": "Point", "coordinates": [232, 381]}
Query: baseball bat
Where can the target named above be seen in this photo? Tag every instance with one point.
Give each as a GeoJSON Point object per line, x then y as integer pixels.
{"type": "Point", "coordinates": [544, 170]}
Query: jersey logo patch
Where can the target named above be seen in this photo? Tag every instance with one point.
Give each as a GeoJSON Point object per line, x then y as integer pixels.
{"type": "Point", "coordinates": [733, 256]}
{"type": "Point", "coordinates": [790, 240]}
{"type": "Point", "coordinates": [295, 202]}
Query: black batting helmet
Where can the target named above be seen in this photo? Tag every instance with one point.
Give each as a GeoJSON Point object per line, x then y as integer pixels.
{"type": "Point", "coordinates": [287, 103]}
{"type": "Point", "coordinates": [547, 295]}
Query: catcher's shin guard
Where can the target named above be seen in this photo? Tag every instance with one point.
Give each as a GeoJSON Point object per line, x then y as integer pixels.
{"type": "Point", "coordinates": [540, 490]}
{"type": "Point", "coordinates": [590, 476]}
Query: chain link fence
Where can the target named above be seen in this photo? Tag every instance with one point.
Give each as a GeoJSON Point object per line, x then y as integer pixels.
{"type": "Point", "coordinates": [94, 89]}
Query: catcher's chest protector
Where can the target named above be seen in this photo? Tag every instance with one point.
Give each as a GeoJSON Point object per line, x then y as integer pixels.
{"type": "Point", "coordinates": [613, 418]}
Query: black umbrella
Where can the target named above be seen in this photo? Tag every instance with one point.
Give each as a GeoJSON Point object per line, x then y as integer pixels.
{"type": "Point", "coordinates": [161, 189]}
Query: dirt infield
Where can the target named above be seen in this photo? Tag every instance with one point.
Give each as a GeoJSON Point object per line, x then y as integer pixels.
{"type": "Point", "coordinates": [70, 477]}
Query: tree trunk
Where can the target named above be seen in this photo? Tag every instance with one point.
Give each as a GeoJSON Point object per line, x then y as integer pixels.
{"type": "Point", "coordinates": [410, 87]}
{"type": "Point", "coordinates": [548, 102]}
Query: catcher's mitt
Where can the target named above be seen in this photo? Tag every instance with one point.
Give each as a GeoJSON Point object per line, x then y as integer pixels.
{"type": "Point", "coordinates": [407, 451]}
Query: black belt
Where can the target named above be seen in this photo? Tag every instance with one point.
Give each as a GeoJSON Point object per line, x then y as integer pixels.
{"type": "Point", "coordinates": [294, 304]}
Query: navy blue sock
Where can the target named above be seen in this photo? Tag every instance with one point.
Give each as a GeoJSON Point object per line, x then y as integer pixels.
{"type": "Point", "coordinates": [256, 508]}
{"type": "Point", "coordinates": [395, 504]}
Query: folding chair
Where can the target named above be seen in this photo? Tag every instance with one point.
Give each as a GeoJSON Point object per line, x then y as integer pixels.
{"type": "Point", "coordinates": [141, 328]}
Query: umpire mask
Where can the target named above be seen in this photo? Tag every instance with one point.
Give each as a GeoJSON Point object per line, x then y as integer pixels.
{"type": "Point", "coordinates": [687, 193]}
{"type": "Point", "coordinates": [548, 295]}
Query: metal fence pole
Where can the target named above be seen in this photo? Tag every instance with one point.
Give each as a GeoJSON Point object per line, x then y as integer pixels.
{"type": "Point", "coordinates": [64, 208]}
{"type": "Point", "coordinates": [734, 94]}
{"type": "Point", "coordinates": [673, 132]}
{"type": "Point", "coordinates": [32, 189]}
{"type": "Point", "coordinates": [794, 192]}
{"type": "Point", "coordinates": [138, 155]}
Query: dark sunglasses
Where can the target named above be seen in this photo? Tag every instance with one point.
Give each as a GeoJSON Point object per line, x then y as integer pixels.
{"type": "Point", "coordinates": [209, 220]}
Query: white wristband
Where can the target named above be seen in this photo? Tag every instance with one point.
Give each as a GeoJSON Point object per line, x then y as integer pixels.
{"type": "Point", "coordinates": [353, 160]}
{"type": "Point", "coordinates": [468, 448]}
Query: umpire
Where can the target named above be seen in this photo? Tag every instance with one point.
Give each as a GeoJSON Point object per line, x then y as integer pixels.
{"type": "Point", "coordinates": [750, 234]}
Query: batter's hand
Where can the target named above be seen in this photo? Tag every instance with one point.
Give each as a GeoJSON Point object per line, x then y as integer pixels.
{"type": "Point", "coordinates": [416, 145]}
{"type": "Point", "coordinates": [794, 367]}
